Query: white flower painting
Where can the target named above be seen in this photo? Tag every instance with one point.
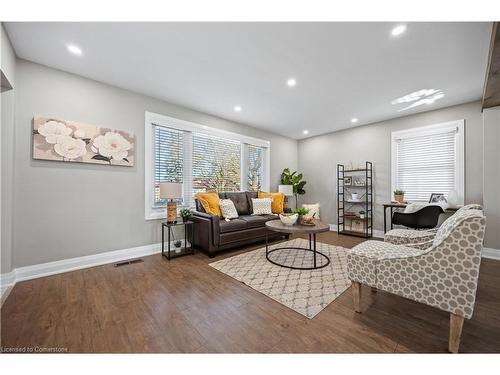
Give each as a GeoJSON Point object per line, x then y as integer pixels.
{"type": "Point", "coordinates": [70, 141]}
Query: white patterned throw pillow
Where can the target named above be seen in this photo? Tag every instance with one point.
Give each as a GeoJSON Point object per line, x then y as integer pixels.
{"type": "Point", "coordinates": [227, 209]}
{"type": "Point", "coordinates": [262, 206]}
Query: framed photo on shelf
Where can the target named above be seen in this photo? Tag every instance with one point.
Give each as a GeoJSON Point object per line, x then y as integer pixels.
{"type": "Point", "coordinates": [437, 198]}
{"type": "Point", "coordinates": [347, 181]}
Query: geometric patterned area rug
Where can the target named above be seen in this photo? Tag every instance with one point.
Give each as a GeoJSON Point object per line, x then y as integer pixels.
{"type": "Point", "coordinates": [304, 291]}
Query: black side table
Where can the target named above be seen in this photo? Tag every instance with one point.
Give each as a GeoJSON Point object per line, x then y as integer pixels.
{"type": "Point", "coordinates": [188, 234]}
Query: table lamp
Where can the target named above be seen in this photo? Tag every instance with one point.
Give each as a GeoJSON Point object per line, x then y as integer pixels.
{"type": "Point", "coordinates": [287, 191]}
{"type": "Point", "coordinates": [171, 191]}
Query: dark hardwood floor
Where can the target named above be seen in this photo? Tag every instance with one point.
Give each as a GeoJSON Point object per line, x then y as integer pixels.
{"type": "Point", "coordinates": [186, 306]}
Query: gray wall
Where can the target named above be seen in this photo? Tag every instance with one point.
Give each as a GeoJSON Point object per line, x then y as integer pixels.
{"type": "Point", "coordinates": [70, 210]}
{"type": "Point", "coordinates": [7, 99]}
{"type": "Point", "coordinates": [491, 134]}
{"type": "Point", "coordinates": [319, 156]}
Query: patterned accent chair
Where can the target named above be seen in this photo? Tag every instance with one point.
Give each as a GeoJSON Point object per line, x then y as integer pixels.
{"type": "Point", "coordinates": [421, 239]}
{"type": "Point", "coordinates": [443, 275]}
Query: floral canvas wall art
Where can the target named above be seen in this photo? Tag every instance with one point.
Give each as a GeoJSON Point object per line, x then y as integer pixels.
{"type": "Point", "coordinates": [70, 141]}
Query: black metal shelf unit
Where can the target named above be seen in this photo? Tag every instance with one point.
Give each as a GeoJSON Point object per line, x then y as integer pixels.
{"type": "Point", "coordinates": [365, 202]}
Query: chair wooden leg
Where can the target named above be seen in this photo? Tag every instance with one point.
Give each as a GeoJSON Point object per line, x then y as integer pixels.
{"type": "Point", "coordinates": [356, 295]}
{"type": "Point", "coordinates": [456, 324]}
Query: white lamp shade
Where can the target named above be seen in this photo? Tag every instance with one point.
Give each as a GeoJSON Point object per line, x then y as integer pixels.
{"type": "Point", "coordinates": [171, 190]}
{"type": "Point", "coordinates": [286, 190]}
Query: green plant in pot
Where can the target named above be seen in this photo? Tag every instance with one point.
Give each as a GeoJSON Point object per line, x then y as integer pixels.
{"type": "Point", "coordinates": [186, 214]}
{"type": "Point", "coordinates": [302, 212]}
{"type": "Point", "coordinates": [294, 179]}
{"type": "Point", "coordinates": [399, 195]}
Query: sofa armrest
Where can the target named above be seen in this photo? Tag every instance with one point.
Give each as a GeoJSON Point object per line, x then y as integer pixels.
{"type": "Point", "coordinates": [204, 215]}
{"type": "Point", "coordinates": [207, 231]}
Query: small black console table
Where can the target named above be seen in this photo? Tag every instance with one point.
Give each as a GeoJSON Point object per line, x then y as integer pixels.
{"type": "Point", "coordinates": [188, 238]}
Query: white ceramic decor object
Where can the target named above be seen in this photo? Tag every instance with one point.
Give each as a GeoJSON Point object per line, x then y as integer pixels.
{"type": "Point", "coordinates": [289, 219]}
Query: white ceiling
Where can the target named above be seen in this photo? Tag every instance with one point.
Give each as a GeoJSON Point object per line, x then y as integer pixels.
{"type": "Point", "coordinates": [343, 70]}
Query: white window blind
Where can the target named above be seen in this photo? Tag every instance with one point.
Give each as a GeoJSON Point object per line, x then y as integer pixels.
{"type": "Point", "coordinates": [168, 159]}
{"type": "Point", "coordinates": [427, 162]}
{"type": "Point", "coordinates": [201, 158]}
{"type": "Point", "coordinates": [255, 159]}
{"type": "Point", "coordinates": [216, 164]}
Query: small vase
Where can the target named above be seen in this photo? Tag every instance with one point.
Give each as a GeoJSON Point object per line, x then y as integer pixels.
{"type": "Point", "coordinates": [354, 196]}
{"type": "Point", "coordinates": [399, 198]}
{"type": "Point", "coordinates": [185, 219]}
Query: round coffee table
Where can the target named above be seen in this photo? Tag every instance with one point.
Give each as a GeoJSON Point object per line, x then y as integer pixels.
{"type": "Point", "coordinates": [311, 230]}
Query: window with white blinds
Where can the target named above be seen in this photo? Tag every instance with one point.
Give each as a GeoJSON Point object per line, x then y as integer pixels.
{"type": "Point", "coordinates": [428, 160]}
{"type": "Point", "coordinates": [255, 167]}
{"type": "Point", "coordinates": [202, 159]}
{"type": "Point", "coordinates": [216, 164]}
{"type": "Point", "coordinates": [168, 159]}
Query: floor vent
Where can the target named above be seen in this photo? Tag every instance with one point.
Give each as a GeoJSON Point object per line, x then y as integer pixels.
{"type": "Point", "coordinates": [127, 262]}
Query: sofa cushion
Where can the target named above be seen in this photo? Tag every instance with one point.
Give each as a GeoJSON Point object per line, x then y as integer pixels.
{"type": "Point", "coordinates": [254, 221]}
{"type": "Point", "coordinates": [240, 202]}
{"type": "Point", "coordinates": [278, 201]}
{"type": "Point", "coordinates": [210, 202]}
{"type": "Point", "coordinates": [250, 195]}
{"type": "Point", "coordinates": [227, 209]}
{"type": "Point", "coordinates": [232, 225]}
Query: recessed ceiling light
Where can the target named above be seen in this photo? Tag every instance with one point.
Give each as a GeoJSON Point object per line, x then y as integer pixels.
{"type": "Point", "coordinates": [237, 108]}
{"type": "Point", "coordinates": [420, 97]}
{"type": "Point", "coordinates": [398, 30]}
{"type": "Point", "coordinates": [75, 50]}
{"type": "Point", "coordinates": [291, 82]}
{"type": "Point", "coordinates": [305, 132]}
{"type": "Point", "coordinates": [354, 120]}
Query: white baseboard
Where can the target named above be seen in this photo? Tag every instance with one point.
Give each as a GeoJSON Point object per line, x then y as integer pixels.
{"type": "Point", "coordinates": [8, 280]}
{"type": "Point", "coordinates": [491, 253]}
{"type": "Point", "coordinates": [376, 233]}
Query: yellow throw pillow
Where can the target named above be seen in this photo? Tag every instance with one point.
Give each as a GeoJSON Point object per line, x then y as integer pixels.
{"type": "Point", "coordinates": [210, 202]}
{"type": "Point", "coordinates": [278, 201]}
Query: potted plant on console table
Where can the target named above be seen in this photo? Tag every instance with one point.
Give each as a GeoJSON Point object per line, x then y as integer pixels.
{"type": "Point", "coordinates": [399, 196]}
{"type": "Point", "coordinates": [185, 214]}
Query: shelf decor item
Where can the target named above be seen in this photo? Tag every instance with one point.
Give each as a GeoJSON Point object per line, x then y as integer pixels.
{"type": "Point", "coordinates": [399, 196]}
{"type": "Point", "coordinates": [185, 214]}
{"type": "Point", "coordinates": [355, 200]}
{"type": "Point", "coordinates": [171, 191]}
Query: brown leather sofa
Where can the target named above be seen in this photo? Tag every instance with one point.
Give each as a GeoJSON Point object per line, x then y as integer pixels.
{"type": "Point", "coordinates": [213, 234]}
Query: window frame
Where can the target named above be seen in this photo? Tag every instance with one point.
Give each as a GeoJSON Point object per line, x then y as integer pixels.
{"type": "Point", "coordinates": [151, 119]}
{"type": "Point", "coordinates": [459, 126]}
